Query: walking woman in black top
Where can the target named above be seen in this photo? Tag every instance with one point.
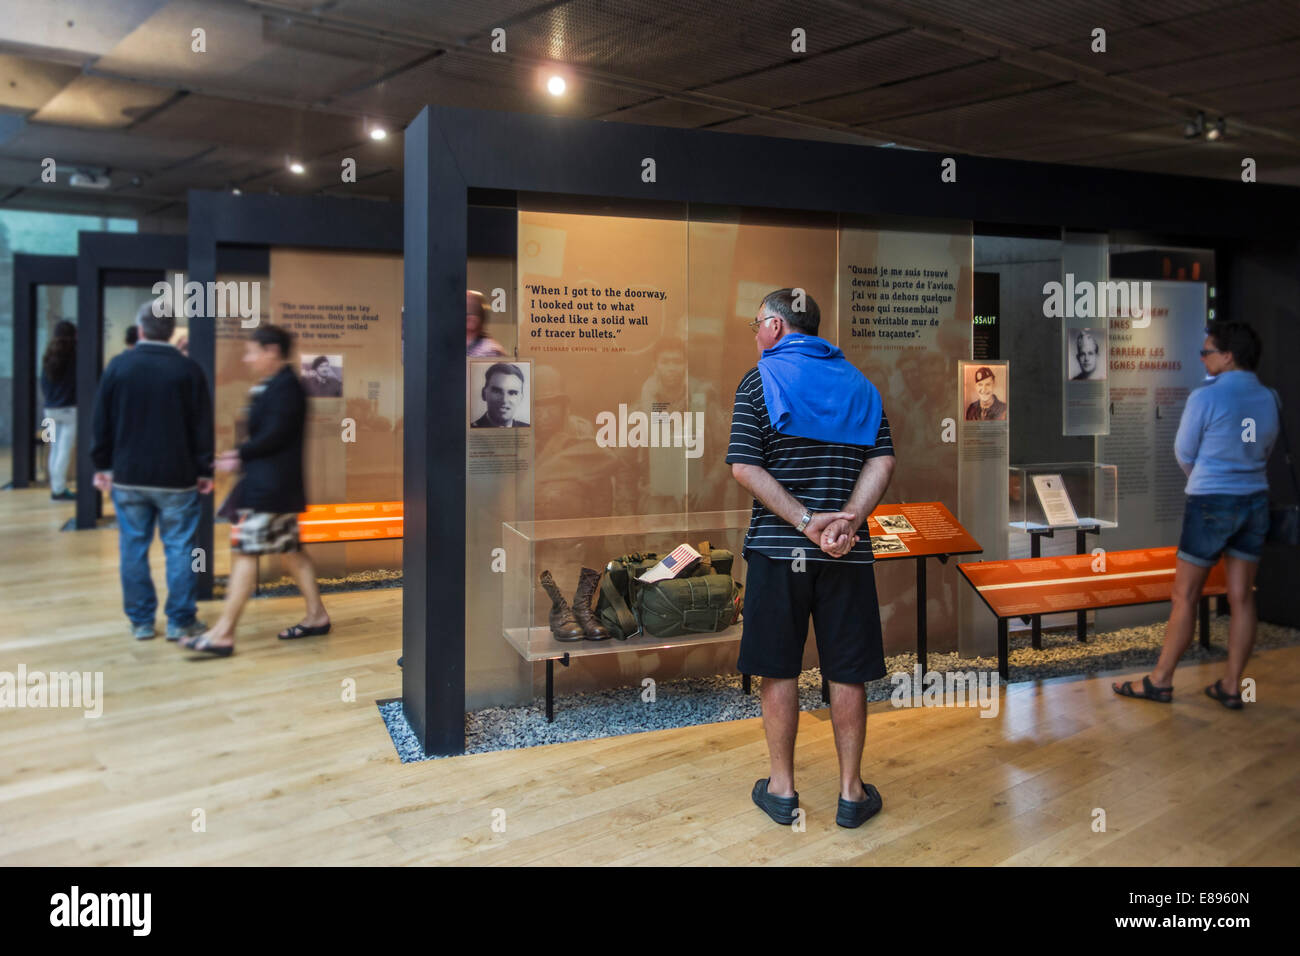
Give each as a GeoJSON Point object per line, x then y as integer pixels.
{"type": "Point", "coordinates": [270, 493]}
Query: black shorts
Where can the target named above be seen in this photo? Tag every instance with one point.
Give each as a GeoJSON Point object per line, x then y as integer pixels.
{"type": "Point", "coordinates": [846, 617]}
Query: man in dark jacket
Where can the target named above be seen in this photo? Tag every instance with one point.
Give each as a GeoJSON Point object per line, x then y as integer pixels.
{"type": "Point", "coordinates": [270, 493]}
{"type": "Point", "coordinates": [152, 449]}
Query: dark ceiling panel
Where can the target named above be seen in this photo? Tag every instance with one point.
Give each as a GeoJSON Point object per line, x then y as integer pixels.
{"type": "Point", "coordinates": [1033, 23]}
{"type": "Point", "coordinates": [687, 43]}
{"type": "Point", "coordinates": [979, 81]}
{"type": "Point", "coordinates": [1279, 94]}
{"type": "Point", "coordinates": [1223, 70]}
{"type": "Point", "coordinates": [1050, 115]}
{"type": "Point", "coordinates": [770, 126]}
{"type": "Point", "coordinates": [483, 83]}
{"type": "Point", "coordinates": [1231, 26]}
{"type": "Point", "coordinates": [240, 57]}
{"type": "Point", "coordinates": [269, 129]}
{"type": "Point", "coordinates": [76, 147]}
{"type": "Point", "coordinates": [455, 20]}
{"type": "Point", "coordinates": [870, 63]}
{"type": "Point", "coordinates": [666, 112]}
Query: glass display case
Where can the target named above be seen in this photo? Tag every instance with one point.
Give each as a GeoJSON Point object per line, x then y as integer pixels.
{"type": "Point", "coordinates": [565, 546]}
{"type": "Point", "coordinates": [1074, 494]}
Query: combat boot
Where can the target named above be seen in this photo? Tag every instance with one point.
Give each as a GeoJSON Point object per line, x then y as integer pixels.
{"type": "Point", "coordinates": [564, 625]}
{"type": "Point", "coordinates": [593, 629]}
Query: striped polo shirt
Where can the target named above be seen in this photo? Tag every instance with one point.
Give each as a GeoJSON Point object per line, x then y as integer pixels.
{"type": "Point", "coordinates": [820, 474]}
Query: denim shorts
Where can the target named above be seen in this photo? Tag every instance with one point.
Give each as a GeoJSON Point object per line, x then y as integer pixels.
{"type": "Point", "coordinates": [1218, 524]}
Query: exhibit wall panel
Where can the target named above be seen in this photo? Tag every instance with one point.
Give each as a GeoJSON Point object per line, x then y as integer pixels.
{"type": "Point", "coordinates": [734, 261]}
{"type": "Point", "coordinates": [905, 320]}
{"type": "Point", "coordinates": [346, 307]}
{"type": "Point", "coordinates": [1152, 371]}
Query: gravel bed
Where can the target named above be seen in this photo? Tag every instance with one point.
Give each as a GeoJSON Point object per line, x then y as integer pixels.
{"type": "Point", "coordinates": [285, 587]}
{"type": "Point", "coordinates": [703, 700]}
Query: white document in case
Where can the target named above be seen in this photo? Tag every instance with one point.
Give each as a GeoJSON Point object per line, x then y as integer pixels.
{"type": "Point", "coordinates": [1055, 500]}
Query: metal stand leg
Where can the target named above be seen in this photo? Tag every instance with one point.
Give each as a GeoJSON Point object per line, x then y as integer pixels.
{"type": "Point", "coordinates": [1036, 622]}
{"type": "Point", "coordinates": [550, 691]}
{"type": "Point", "coordinates": [744, 684]}
{"type": "Point", "coordinates": [1205, 622]}
{"type": "Point", "coordinates": [1081, 620]}
{"type": "Point", "coordinates": [826, 692]}
{"type": "Point", "coordinates": [1221, 605]}
{"type": "Point", "coordinates": [1003, 666]}
{"type": "Point", "coordinates": [920, 614]}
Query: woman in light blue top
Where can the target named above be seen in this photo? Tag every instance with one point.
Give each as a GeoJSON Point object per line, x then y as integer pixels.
{"type": "Point", "coordinates": [1227, 431]}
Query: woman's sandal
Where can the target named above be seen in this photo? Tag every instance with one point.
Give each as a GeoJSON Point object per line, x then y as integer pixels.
{"type": "Point", "coordinates": [204, 645]}
{"type": "Point", "coordinates": [1162, 695]}
{"type": "Point", "coordinates": [302, 630]}
{"type": "Point", "coordinates": [1230, 701]}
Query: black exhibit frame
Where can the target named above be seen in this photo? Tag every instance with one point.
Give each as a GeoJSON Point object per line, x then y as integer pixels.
{"type": "Point", "coordinates": [231, 233]}
{"type": "Point", "coordinates": [30, 273]}
{"type": "Point", "coordinates": [235, 233]}
{"type": "Point", "coordinates": [453, 155]}
{"type": "Point", "coordinates": [107, 259]}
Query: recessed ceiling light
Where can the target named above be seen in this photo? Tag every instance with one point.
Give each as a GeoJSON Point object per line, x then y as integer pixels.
{"type": "Point", "coordinates": [378, 132]}
{"type": "Point", "coordinates": [555, 85]}
{"type": "Point", "coordinates": [297, 167]}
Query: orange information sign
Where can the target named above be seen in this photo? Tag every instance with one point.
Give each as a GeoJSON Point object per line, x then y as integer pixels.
{"type": "Point", "coordinates": [917, 530]}
{"type": "Point", "coordinates": [360, 521]}
{"type": "Point", "coordinates": [1081, 582]}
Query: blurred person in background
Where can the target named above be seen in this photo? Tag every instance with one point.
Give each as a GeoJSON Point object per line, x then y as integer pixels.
{"type": "Point", "coordinates": [59, 386]}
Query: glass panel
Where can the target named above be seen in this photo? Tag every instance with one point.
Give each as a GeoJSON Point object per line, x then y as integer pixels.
{"type": "Point", "coordinates": [344, 310]}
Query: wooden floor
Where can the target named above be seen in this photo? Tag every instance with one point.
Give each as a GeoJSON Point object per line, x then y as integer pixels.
{"type": "Point", "coordinates": [286, 772]}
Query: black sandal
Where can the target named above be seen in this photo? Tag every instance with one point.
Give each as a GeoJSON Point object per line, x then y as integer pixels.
{"type": "Point", "coordinates": [205, 646]}
{"type": "Point", "coordinates": [302, 630]}
{"type": "Point", "coordinates": [1161, 695]}
{"type": "Point", "coordinates": [1230, 701]}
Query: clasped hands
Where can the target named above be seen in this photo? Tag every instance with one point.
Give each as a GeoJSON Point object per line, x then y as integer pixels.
{"type": "Point", "coordinates": [835, 532]}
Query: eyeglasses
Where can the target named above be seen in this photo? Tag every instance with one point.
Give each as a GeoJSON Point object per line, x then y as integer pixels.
{"type": "Point", "coordinates": [753, 326]}
{"type": "Point", "coordinates": [1205, 352]}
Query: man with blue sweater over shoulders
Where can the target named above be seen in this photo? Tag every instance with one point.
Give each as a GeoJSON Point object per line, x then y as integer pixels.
{"type": "Point", "coordinates": [810, 441]}
{"type": "Point", "coordinates": [152, 449]}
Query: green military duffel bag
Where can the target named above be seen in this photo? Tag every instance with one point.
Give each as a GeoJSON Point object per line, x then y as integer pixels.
{"type": "Point", "coordinates": [703, 600]}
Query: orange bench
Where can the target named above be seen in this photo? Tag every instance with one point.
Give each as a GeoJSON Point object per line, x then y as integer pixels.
{"type": "Point", "coordinates": [1032, 586]}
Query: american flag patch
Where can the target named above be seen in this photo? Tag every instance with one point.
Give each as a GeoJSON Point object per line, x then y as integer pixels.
{"type": "Point", "coordinates": [681, 556]}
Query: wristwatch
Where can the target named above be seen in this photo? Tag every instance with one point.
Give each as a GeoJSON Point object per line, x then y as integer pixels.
{"type": "Point", "coordinates": [803, 522]}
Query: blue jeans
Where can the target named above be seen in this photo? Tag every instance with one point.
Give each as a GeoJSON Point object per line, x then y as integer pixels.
{"type": "Point", "coordinates": [1216, 524]}
{"type": "Point", "coordinates": [177, 516]}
